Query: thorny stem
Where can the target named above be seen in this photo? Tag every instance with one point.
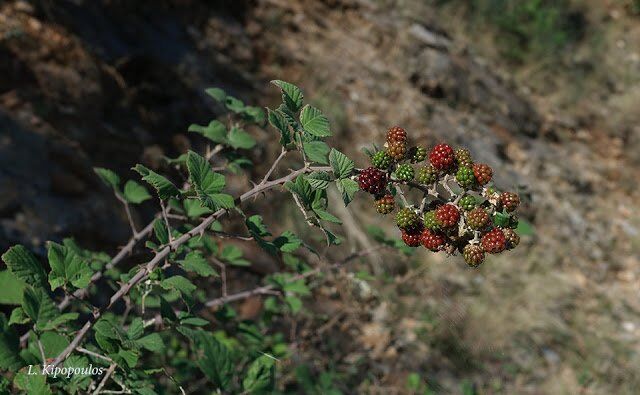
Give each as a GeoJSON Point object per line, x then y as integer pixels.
{"type": "Point", "coordinates": [127, 210]}
{"type": "Point", "coordinates": [110, 371]}
{"type": "Point", "coordinates": [283, 153]}
{"type": "Point", "coordinates": [93, 354]}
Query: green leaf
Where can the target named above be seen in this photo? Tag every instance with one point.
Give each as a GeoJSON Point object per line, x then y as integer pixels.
{"type": "Point", "coordinates": [233, 255]}
{"type": "Point", "coordinates": [32, 384]}
{"type": "Point", "coordinates": [135, 193]}
{"type": "Point", "coordinates": [37, 304]}
{"type": "Point", "coordinates": [194, 208]}
{"type": "Point", "coordinates": [215, 131]}
{"type": "Point", "coordinates": [256, 226]}
{"type": "Point", "coordinates": [288, 242]}
{"type": "Point", "coordinates": [217, 93]}
{"type": "Point", "coordinates": [195, 262]}
{"type": "Point", "coordinates": [214, 359]}
{"type": "Point", "coordinates": [163, 187]}
{"type": "Point", "coordinates": [18, 316]}
{"type": "Point", "coordinates": [302, 188]}
{"type": "Point", "coordinates": [254, 114]}
{"type": "Point", "coordinates": [109, 336]}
{"type": "Point", "coordinates": [130, 357]}
{"type": "Point", "coordinates": [234, 104]}
{"type": "Point", "coordinates": [316, 151]}
{"type": "Point", "coordinates": [179, 283]}
{"type": "Point", "coordinates": [194, 321]}
{"type": "Point", "coordinates": [11, 288]}
{"type": "Point", "coordinates": [348, 189]}
{"type": "Point", "coordinates": [278, 121]}
{"type": "Point", "coordinates": [238, 138]}
{"type": "Point", "coordinates": [136, 329]}
{"type": "Point", "coordinates": [25, 266]}
{"type": "Point", "coordinates": [52, 344]}
{"type": "Point", "coordinates": [160, 230]}
{"type": "Point", "coordinates": [107, 176]}
{"type": "Point", "coordinates": [67, 267]}
{"type": "Point", "coordinates": [319, 179]}
{"type": "Point", "coordinates": [152, 342]}
{"type": "Point", "coordinates": [291, 95]}
{"type": "Point", "coordinates": [295, 303]}
{"type": "Point", "coordinates": [341, 164]}
{"type": "Point", "coordinates": [9, 347]}
{"type": "Point", "coordinates": [326, 216]}
{"type": "Point", "coordinates": [59, 320]}
{"type": "Point", "coordinates": [314, 122]}
{"type": "Point", "coordinates": [207, 183]}
{"type": "Point", "coordinates": [260, 376]}
{"type": "Point", "coordinates": [525, 228]}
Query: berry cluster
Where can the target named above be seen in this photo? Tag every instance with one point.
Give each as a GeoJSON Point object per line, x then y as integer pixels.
{"type": "Point", "coordinates": [459, 212]}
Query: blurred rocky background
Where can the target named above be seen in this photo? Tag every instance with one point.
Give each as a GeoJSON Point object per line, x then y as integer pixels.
{"type": "Point", "coordinates": [546, 92]}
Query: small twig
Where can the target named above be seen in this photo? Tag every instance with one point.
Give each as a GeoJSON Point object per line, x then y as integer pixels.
{"type": "Point", "coordinates": [93, 354]}
{"type": "Point", "coordinates": [44, 359]}
{"type": "Point", "coordinates": [401, 194]}
{"type": "Point", "coordinates": [283, 152]}
{"type": "Point", "coordinates": [166, 221]}
{"type": "Point", "coordinates": [127, 210]}
{"type": "Point", "coordinates": [223, 275]}
{"type": "Point", "coordinates": [110, 371]}
{"type": "Point", "coordinates": [215, 150]}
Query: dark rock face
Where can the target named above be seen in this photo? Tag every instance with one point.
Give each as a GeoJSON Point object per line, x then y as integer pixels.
{"type": "Point", "coordinates": [86, 84]}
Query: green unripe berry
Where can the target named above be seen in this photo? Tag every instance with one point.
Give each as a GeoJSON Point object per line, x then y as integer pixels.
{"type": "Point", "coordinates": [381, 160]}
{"type": "Point", "coordinates": [427, 175]}
{"type": "Point", "coordinates": [405, 172]}
{"type": "Point", "coordinates": [430, 220]}
{"type": "Point", "coordinates": [407, 218]}
{"type": "Point", "coordinates": [418, 154]}
{"type": "Point", "coordinates": [465, 177]}
{"type": "Point", "coordinates": [467, 202]}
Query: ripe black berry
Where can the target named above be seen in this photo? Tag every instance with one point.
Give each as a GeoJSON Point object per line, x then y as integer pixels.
{"type": "Point", "coordinates": [372, 180]}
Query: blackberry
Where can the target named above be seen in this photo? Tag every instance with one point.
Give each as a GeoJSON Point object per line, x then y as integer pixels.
{"type": "Point", "coordinates": [417, 154]}
{"type": "Point", "coordinates": [397, 150]}
{"type": "Point", "coordinates": [465, 177]}
{"type": "Point", "coordinates": [513, 239]}
{"type": "Point", "coordinates": [447, 215]}
{"type": "Point", "coordinates": [372, 180]}
{"type": "Point", "coordinates": [509, 200]}
{"type": "Point", "coordinates": [381, 160]}
{"type": "Point", "coordinates": [431, 240]}
{"type": "Point", "coordinates": [494, 241]}
{"type": "Point", "coordinates": [477, 218]}
{"type": "Point", "coordinates": [463, 157]}
{"type": "Point", "coordinates": [473, 255]}
{"type": "Point", "coordinates": [430, 221]}
{"type": "Point", "coordinates": [411, 237]}
{"type": "Point", "coordinates": [467, 202]}
{"type": "Point", "coordinates": [427, 175]}
{"type": "Point", "coordinates": [482, 172]}
{"type": "Point", "coordinates": [396, 134]}
{"type": "Point", "coordinates": [404, 172]}
{"type": "Point", "coordinates": [442, 156]}
{"type": "Point", "coordinates": [407, 219]}
{"type": "Point", "coordinates": [385, 204]}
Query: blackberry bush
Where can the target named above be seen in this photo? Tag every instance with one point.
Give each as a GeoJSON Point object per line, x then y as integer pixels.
{"type": "Point", "coordinates": [509, 200]}
{"type": "Point", "coordinates": [463, 157]}
{"type": "Point", "coordinates": [478, 218]}
{"type": "Point", "coordinates": [412, 237]}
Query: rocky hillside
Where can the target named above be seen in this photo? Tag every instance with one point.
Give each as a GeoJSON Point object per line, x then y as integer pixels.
{"type": "Point", "coordinates": [105, 83]}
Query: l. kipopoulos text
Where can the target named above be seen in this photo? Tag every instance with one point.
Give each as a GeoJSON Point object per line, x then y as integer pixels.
{"type": "Point", "coordinates": [66, 371]}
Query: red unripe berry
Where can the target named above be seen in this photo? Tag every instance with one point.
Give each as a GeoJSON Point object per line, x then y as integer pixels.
{"type": "Point", "coordinates": [482, 172]}
{"type": "Point", "coordinates": [431, 240]}
{"type": "Point", "coordinates": [494, 241]}
{"type": "Point", "coordinates": [411, 237]}
{"type": "Point", "coordinates": [473, 255]}
{"type": "Point", "coordinates": [372, 180]}
{"type": "Point", "coordinates": [509, 200]}
{"type": "Point", "coordinates": [442, 156]}
{"type": "Point", "coordinates": [447, 215]}
{"type": "Point", "coordinates": [396, 134]}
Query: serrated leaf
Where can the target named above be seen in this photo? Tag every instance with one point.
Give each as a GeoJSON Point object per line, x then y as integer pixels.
{"type": "Point", "coordinates": [291, 95]}
{"type": "Point", "coordinates": [314, 122]}
{"type": "Point", "coordinates": [260, 376]}
{"type": "Point", "coordinates": [254, 114]}
{"type": "Point", "coordinates": [194, 208]}
{"type": "Point", "coordinates": [18, 316]}
{"type": "Point", "coordinates": [240, 139]}
{"type": "Point", "coordinates": [135, 193]}
{"type": "Point", "coordinates": [342, 166]}
{"type": "Point", "coordinates": [207, 183]}
{"type": "Point", "coordinates": [288, 242]}
{"type": "Point", "coordinates": [163, 187]}
{"type": "Point", "coordinates": [278, 121]}
{"type": "Point", "coordinates": [256, 226]}
{"type": "Point", "coordinates": [24, 265]}
{"type": "Point", "coordinates": [316, 151]}
{"type": "Point", "coordinates": [59, 320]}
{"type": "Point", "coordinates": [107, 176]}
{"type": "Point", "coordinates": [326, 216]}
{"type": "Point", "coordinates": [348, 189]}
{"type": "Point", "coordinates": [214, 359]}
{"type": "Point", "coordinates": [52, 344]}
{"type": "Point", "coordinates": [130, 357]}
{"type": "Point", "coordinates": [67, 267]}
{"type": "Point", "coordinates": [195, 262]}
{"type": "Point", "coordinates": [35, 384]}
{"type": "Point", "coordinates": [295, 303]}
{"type": "Point", "coordinates": [194, 321]}
{"type": "Point", "coordinates": [233, 255]}
{"type": "Point", "coordinates": [302, 188]}
{"type": "Point", "coordinates": [160, 230]}
{"type": "Point", "coordinates": [152, 342]}
{"type": "Point", "coordinates": [179, 283]}
{"type": "Point", "coordinates": [11, 288]}
{"type": "Point", "coordinates": [214, 131]}
{"type": "Point", "coordinates": [234, 104]}
{"type": "Point", "coordinates": [217, 93]}
{"type": "Point", "coordinates": [9, 347]}
{"type": "Point", "coordinates": [136, 329]}
{"type": "Point", "coordinates": [37, 304]}
{"type": "Point", "coordinates": [319, 179]}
